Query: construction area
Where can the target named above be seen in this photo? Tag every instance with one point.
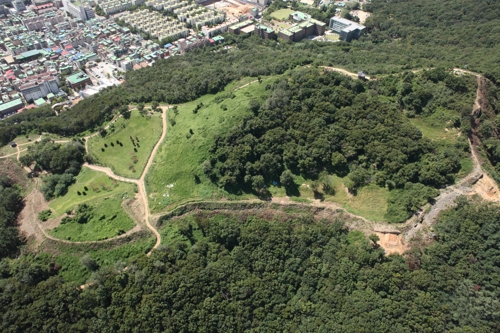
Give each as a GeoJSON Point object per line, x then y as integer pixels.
{"type": "Point", "coordinates": [232, 8]}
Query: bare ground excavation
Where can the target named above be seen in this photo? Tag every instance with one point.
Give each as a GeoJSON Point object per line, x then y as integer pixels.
{"type": "Point", "coordinates": [232, 8]}
{"type": "Point", "coordinates": [394, 238]}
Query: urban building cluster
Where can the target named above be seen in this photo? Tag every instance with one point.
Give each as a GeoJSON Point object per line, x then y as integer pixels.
{"type": "Point", "coordinates": [306, 26]}
{"type": "Point", "coordinates": [55, 50]}
{"type": "Point", "coordinates": [183, 16]}
{"type": "Point", "coordinates": [44, 54]}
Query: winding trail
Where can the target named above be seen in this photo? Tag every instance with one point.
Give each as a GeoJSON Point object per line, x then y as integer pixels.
{"type": "Point", "coordinates": [343, 71]}
{"type": "Point", "coordinates": [110, 173]}
{"type": "Point", "coordinates": [36, 196]}
{"type": "Point", "coordinates": [141, 181]}
{"type": "Point", "coordinates": [142, 185]}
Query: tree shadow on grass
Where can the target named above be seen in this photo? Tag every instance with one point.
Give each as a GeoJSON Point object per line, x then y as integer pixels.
{"type": "Point", "coordinates": [292, 191]}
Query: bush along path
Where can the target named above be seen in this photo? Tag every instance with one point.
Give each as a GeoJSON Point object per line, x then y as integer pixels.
{"type": "Point", "coordinates": [447, 197]}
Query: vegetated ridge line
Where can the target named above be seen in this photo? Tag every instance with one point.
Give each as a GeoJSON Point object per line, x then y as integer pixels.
{"type": "Point", "coordinates": [447, 197]}
{"type": "Point", "coordinates": [443, 201]}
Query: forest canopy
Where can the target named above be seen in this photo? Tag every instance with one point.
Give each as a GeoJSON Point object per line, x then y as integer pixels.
{"type": "Point", "coordinates": [321, 121]}
{"type": "Point", "coordinates": [243, 273]}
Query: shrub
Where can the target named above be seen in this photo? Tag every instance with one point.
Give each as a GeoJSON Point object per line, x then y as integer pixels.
{"type": "Point", "coordinates": [44, 215]}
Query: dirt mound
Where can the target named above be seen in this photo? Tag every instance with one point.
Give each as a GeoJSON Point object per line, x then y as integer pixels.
{"type": "Point", "coordinates": [391, 243]}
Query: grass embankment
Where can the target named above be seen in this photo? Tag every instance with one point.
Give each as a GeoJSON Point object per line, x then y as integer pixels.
{"type": "Point", "coordinates": [171, 179]}
{"type": "Point", "coordinates": [127, 157]}
{"type": "Point", "coordinates": [370, 201]}
{"type": "Point", "coordinates": [68, 256]}
{"type": "Point", "coordinates": [108, 220]}
{"type": "Point", "coordinates": [96, 185]}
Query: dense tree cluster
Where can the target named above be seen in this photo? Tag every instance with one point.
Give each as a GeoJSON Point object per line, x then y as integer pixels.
{"type": "Point", "coordinates": [452, 32]}
{"type": "Point", "coordinates": [314, 122]}
{"type": "Point", "coordinates": [11, 203]}
{"type": "Point", "coordinates": [63, 161]}
{"type": "Point", "coordinates": [88, 114]}
{"type": "Point", "coordinates": [226, 273]}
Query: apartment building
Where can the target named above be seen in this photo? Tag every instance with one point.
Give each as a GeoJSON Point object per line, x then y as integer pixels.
{"type": "Point", "coordinates": [80, 10]}
{"type": "Point", "coordinates": [46, 20]}
{"type": "Point", "coordinates": [155, 24]}
{"type": "Point", "coordinates": [111, 7]}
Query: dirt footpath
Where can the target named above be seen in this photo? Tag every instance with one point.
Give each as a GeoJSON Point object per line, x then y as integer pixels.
{"type": "Point", "coordinates": [28, 218]}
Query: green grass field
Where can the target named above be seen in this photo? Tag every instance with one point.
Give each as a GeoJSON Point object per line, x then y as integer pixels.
{"type": "Point", "coordinates": [109, 220]}
{"type": "Point", "coordinates": [121, 158]}
{"type": "Point", "coordinates": [282, 25]}
{"type": "Point", "coordinates": [103, 185]}
{"type": "Point", "coordinates": [282, 14]}
{"type": "Point", "coordinates": [437, 127]}
{"type": "Point", "coordinates": [332, 37]}
{"type": "Point", "coordinates": [369, 202]}
{"type": "Point", "coordinates": [7, 150]}
{"type": "Point", "coordinates": [171, 178]}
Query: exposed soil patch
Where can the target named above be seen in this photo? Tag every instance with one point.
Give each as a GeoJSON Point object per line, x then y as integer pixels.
{"type": "Point", "coordinates": [392, 243]}
{"type": "Point", "coordinates": [14, 171]}
{"type": "Point", "coordinates": [28, 218]}
{"type": "Point", "coordinates": [134, 209]}
{"type": "Point", "coordinates": [487, 188]}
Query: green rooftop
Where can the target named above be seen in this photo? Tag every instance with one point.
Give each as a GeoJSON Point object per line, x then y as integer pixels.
{"type": "Point", "coordinates": [10, 104]}
{"type": "Point", "coordinates": [77, 77]}
{"type": "Point", "coordinates": [40, 102]}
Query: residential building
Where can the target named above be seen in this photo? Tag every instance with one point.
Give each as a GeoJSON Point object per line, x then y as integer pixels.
{"type": "Point", "coordinates": [39, 86]}
{"type": "Point", "coordinates": [14, 105]}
